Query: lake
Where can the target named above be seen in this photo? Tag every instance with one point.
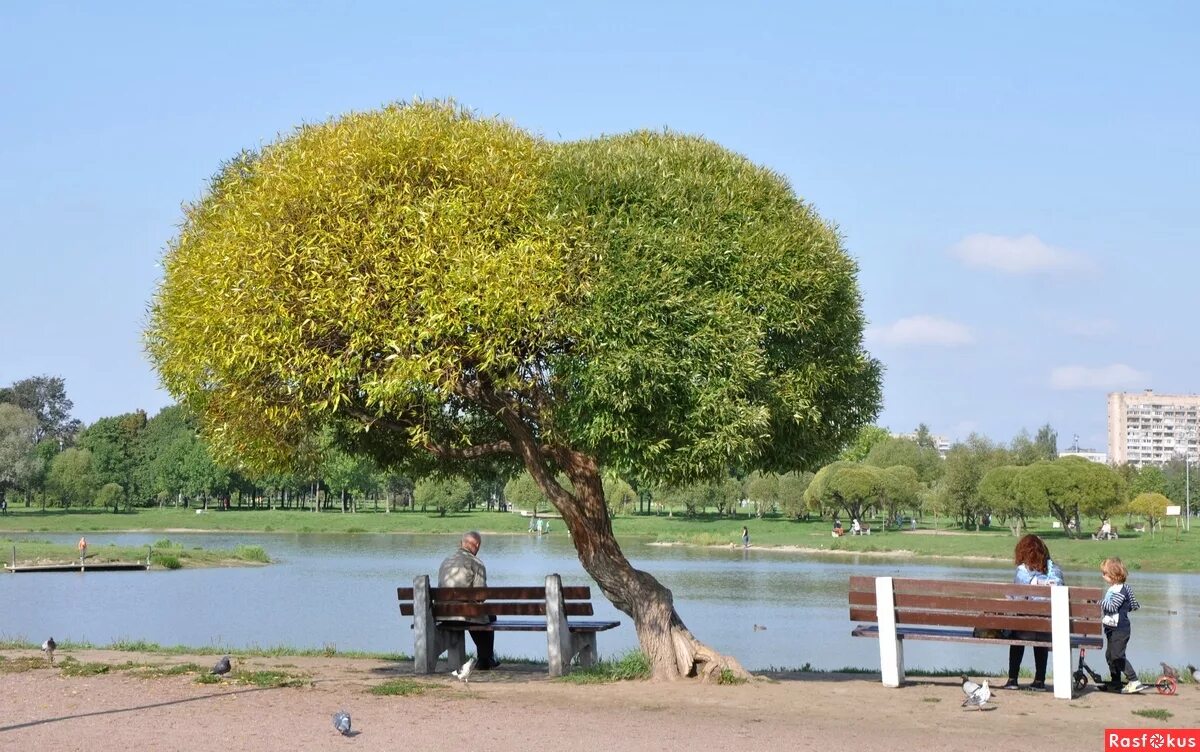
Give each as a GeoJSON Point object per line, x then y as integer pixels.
{"type": "Point", "coordinates": [340, 590]}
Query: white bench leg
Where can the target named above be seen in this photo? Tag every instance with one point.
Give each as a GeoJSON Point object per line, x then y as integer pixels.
{"type": "Point", "coordinates": [891, 647]}
{"type": "Point", "coordinates": [1060, 625]}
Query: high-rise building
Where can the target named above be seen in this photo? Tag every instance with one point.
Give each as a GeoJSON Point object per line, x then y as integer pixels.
{"type": "Point", "coordinates": [1145, 428]}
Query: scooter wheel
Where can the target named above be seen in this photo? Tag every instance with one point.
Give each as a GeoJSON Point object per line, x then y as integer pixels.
{"type": "Point", "coordinates": [1081, 681]}
{"type": "Point", "coordinates": [1166, 685]}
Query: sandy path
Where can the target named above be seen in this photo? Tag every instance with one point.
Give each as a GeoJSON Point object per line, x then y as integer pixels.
{"type": "Point", "coordinates": [518, 708]}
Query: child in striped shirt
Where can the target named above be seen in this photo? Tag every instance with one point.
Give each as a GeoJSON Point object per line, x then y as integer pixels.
{"type": "Point", "coordinates": [1117, 603]}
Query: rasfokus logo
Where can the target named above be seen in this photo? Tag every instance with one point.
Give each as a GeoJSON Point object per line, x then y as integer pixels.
{"type": "Point", "coordinates": [1164, 739]}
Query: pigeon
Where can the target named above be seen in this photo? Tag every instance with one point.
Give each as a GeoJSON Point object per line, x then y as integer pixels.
{"type": "Point", "coordinates": [464, 674]}
{"type": "Point", "coordinates": [977, 694]}
{"type": "Point", "coordinates": [222, 667]}
{"type": "Point", "coordinates": [760, 627]}
{"type": "Point", "coordinates": [1169, 670]}
{"type": "Point", "coordinates": [341, 722]}
{"type": "Point", "coordinates": [1194, 672]}
{"type": "Point", "coordinates": [48, 647]}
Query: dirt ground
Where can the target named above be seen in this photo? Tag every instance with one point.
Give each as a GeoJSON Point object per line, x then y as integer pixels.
{"type": "Point", "coordinates": [519, 708]}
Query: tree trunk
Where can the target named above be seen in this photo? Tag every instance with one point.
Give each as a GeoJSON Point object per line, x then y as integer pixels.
{"type": "Point", "coordinates": [670, 647]}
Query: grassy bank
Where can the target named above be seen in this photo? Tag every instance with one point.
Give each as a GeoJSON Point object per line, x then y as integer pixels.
{"type": "Point", "coordinates": [1164, 552]}
{"type": "Point", "coordinates": [164, 554]}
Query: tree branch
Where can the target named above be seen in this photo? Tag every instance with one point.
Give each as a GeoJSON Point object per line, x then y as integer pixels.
{"type": "Point", "coordinates": [407, 423]}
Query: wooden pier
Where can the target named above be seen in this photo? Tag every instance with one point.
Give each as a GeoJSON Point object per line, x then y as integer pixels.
{"type": "Point", "coordinates": [81, 565]}
{"type": "Point", "coordinates": [109, 566]}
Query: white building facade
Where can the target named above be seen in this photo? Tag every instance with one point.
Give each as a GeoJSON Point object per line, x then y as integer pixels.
{"type": "Point", "coordinates": [1145, 428]}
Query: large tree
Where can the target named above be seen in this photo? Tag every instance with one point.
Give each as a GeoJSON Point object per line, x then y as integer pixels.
{"type": "Point", "coordinates": [443, 288]}
{"type": "Point", "coordinates": [46, 398]}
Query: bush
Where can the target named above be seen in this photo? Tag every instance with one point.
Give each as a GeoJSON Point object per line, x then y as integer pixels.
{"type": "Point", "coordinates": [166, 561]}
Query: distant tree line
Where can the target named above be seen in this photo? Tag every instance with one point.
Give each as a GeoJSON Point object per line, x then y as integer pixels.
{"type": "Point", "coordinates": [49, 458]}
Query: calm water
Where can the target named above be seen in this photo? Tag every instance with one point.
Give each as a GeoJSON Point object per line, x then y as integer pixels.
{"type": "Point", "coordinates": [341, 590]}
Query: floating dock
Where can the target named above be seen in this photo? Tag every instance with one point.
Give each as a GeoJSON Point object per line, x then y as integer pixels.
{"type": "Point", "coordinates": [111, 566]}
{"type": "Point", "coordinates": [81, 565]}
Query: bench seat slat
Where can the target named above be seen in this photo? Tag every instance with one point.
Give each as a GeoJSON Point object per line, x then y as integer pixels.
{"type": "Point", "coordinates": [498, 609]}
{"type": "Point", "coordinates": [528, 625]}
{"type": "Point", "coordinates": [570, 593]}
{"type": "Point", "coordinates": [984, 621]}
{"type": "Point", "coordinates": [965, 635]}
{"type": "Point", "coordinates": [866, 584]}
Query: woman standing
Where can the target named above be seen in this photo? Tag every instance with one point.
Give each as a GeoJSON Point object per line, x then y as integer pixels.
{"type": "Point", "coordinates": [1034, 567]}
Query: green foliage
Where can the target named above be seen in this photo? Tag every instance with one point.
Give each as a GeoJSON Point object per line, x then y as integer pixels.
{"type": "Point", "coordinates": [630, 666]}
{"type": "Point", "coordinates": [404, 269]}
{"type": "Point", "coordinates": [110, 495]}
{"type": "Point", "coordinates": [403, 688]}
{"type": "Point", "coordinates": [443, 494]}
{"type": "Point", "coordinates": [619, 495]}
{"type": "Point", "coordinates": [113, 443]}
{"type": "Point", "coordinates": [1152, 506]}
{"type": "Point", "coordinates": [866, 440]}
{"type": "Point", "coordinates": [1002, 492]}
{"type": "Point", "coordinates": [71, 477]}
{"type": "Point", "coordinates": [896, 451]}
{"type": "Point", "coordinates": [791, 493]}
{"type": "Point", "coordinates": [166, 561]}
{"type": "Point", "coordinates": [965, 466]}
{"type": "Point", "coordinates": [18, 439]}
{"type": "Point", "coordinates": [1158, 714]}
{"type": "Point", "coordinates": [71, 667]}
{"type": "Point", "coordinates": [727, 677]}
{"type": "Point", "coordinates": [253, 553]}
{"type": "Point", "coordinates": [44, 397]}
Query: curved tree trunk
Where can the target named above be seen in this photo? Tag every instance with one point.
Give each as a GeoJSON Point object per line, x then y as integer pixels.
{"type": "Point", "coordinates": [671, 648]}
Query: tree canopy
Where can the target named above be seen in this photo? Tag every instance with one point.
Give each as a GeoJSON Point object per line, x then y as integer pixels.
{"type": "Point", "coordinates": [441, 288]}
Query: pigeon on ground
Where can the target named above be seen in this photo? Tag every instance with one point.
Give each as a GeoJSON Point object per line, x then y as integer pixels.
{"type": "Point", "coordinates": [1169, 670]}
{"type": "Point", "coordinates": [341, 722]}
{"type": "Point", "coordinates": [48, 647]}
{"type": "Point", "coordinates": [977, 694]}
{"type": "Point", "coordinates": [464, 674]}
{"type": "Point", "coordinates": [1194, 672]}
{"type": "Point", "coordinates": [223, 667]}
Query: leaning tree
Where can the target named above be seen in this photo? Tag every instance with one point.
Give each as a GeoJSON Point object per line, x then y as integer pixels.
{"type": "Point", "coordinates": [442, 289]}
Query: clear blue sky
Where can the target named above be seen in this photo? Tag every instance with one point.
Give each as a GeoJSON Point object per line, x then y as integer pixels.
{"type": "Point", "coordinates": [1018, 181]}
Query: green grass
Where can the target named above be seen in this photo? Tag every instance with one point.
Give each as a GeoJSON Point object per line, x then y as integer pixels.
{"type": "Point", "coordinates": [1156, 713]}
{"type": "Point", "coordinates": [254, 651]}
{"type": "Point", "coordinates": [145, 671]}
{"type": "Point", "coordinates": [632, 665]}
{"type": "Point", "coordinates": [167, 557]}
{"type": "Point", "coordinates": [72, 667]}
{"type": "Point", "coordinates": [21, 665]}
{"type": "Point", "coordinates": [1162, 553]}
{"type": "Point", "coordinates": [403, 688]}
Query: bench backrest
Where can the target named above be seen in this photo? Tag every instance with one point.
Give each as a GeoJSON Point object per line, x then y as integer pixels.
{"type": "Point", "coordinates": [986, 605]}
{"type": "Point", "coordinates": [497, 601]}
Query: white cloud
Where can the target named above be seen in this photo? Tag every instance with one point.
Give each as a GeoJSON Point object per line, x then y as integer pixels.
{"type": "Point", "coordinates": [921, 330]}
{"type": "Point", "coordinates": [1026, 254]}
{"type": "Point", "coordinates": [1114, 376]}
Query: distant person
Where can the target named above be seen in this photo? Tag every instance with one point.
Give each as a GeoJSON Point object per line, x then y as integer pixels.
{"type": "Point", "coordinates": [82, 546]}
{"type": "Point", "coordinates": [1034, 567]}
{"type": "Point", "coordinates": [855, 527]}
{"type": "Point", "coordinates": [463, 569]}
{"type": "Point", "coordinates": [914, 523]}
{"type": "Point", "coordinates": [1115, 607]}
{"type": "Point", "coordinates": [838, 530]}
{"type": "Point", "coordinates": [745, 537]}
{"type": "Point", "coordinates": [1105, 530]}
{"type": "Point", "coordinates": [3, 506]}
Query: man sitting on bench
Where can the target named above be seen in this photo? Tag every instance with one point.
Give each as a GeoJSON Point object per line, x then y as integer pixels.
{"type": "Point", "coordinates": [464, 569]}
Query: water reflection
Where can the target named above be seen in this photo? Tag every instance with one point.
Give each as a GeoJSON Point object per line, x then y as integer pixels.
{"type": "Point", "coordinates": [340, 590]}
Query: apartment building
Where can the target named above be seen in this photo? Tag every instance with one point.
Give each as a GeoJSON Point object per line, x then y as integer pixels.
{"type": "Point", "coordinates": [1145, 428]}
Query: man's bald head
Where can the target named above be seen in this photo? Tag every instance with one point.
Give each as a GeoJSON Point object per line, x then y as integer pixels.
{"type": "Point", "coordinates": [471, 541]}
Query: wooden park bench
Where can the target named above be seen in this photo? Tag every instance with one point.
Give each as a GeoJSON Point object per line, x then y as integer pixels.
{"type": "Point", "coordinates": [895, 609]}
{"type": "Point", "coordinates": [552, 604]}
